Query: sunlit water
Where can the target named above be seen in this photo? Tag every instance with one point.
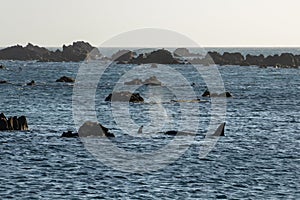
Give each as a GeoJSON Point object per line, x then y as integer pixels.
{"type": "Point", "coordinates": [258, 159]}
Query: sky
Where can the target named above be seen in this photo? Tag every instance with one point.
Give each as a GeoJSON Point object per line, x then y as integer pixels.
{"type": "Point", "coordinates": [207, 22]}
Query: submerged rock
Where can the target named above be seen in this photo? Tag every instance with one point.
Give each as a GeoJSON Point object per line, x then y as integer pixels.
{"type": "Point", "coordinates": [125, 97]}
{"type": "Point", "coordinates": [69, 134]}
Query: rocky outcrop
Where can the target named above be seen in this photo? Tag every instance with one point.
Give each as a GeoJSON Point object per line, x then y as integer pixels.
{"type": "Point", "coordinates": [123, 56]}
{"type": "Point", "coordinates": [135, 81]}
{"type": "Point", "coordinates": [94, 129]}
{"type": "Point", "coordinates": [65, 79]}
{"type": "Point", "coordinates": [286, 60]}
{"type": "Point", "coordinates": [76, 52]}
{"type": "Point", "coordinates": [160, 56]}
{"type": "Point", "coordinates": [125, 97]}
{"type": "Point", "coordinates": [2, 67]}
{"type": "Point", "coordinates": [13, 123]}
{"type": "Point", "coordinates": [69, 134]}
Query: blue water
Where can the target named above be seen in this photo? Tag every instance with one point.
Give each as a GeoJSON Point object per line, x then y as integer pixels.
{"type": "Point", "coordinates": [258, 159]}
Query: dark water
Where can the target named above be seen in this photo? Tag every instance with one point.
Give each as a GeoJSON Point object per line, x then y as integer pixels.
{"type": "Point", "coordinates": [258, 159]}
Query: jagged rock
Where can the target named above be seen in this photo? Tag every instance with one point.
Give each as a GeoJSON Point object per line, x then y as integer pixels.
{"type": "Point", "coordinates": [94, 129]}
{"type": "Point", "coordinates": [123, 56]}
{"type": "Point", "coordinates": [65, 79]}
{"type": "Point", "coordinates": [76, 52]}
{"type": "Point", "coordinates": [13, 123]}
{"type": "Point", "coordinates": [125, 97]}
{"type": "Point", "coordinates": [160, 56]}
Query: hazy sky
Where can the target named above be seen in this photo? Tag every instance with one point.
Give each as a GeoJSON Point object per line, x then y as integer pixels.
{"type": "Point", "coordinates": [208, 22]}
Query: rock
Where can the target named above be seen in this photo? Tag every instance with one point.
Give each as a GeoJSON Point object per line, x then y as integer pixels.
{"type": "Point", "coordinates": [160, 56]}
{"type": "Point", "coordinates": [31, 83]}
{"type": "Point", "coordinates": [179, 133]}
{"type": "Point", "coordinates": [65, 79]}
{"type": "Point", "coordinates": [134, 82]}
{"type": "Point", "coordinates": [2, 67]}
{"type": "Point", "coordinates": [184, 52]}
{"type": "Point", "coordinates": [208, 94]}
{"type": "Point", "coordinates": [125, 97]}
{"type": "Point", "coordinates": [3, 123]}
{"type": "Point", "coordinates": [13, 123]}
{"type": "Point", "coordinates": [76, 52]}
{"type": "Point", "coordinates": [94, 129]}
{"type": "Point", "coordinates": [23, 123]}
{"type": "Point", "coordinates": [3, 82]}
{"type": "Point", "coordinates": [255, 60]}
{"type": "Point", "coordinates": [69, 134]}
{"type": "Point", "coordinates": [220, 130]}
{"type": "Point", "coordinates": [123, 56]}
{"type": "Point", "coordinates": [152, 81]}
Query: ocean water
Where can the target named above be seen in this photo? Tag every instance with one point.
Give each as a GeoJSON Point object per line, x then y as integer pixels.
{"type": "Point", "coordinates": [259, 158]}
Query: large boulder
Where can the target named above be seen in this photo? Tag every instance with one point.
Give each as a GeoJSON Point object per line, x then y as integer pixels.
{"type": "Point", "coordinates": [94, 129]}
{"type": "Point", "coordinates": [125, 97]}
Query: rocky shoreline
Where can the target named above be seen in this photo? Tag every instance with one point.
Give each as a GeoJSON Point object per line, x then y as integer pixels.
{"type": "Point", "coordinates": [80, 50]}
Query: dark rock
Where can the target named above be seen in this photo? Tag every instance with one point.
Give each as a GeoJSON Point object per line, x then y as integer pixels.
{"type": "Point", "coordinates": [125, 97]}
{"type": "Point", "coordinates": [220, 130]}
{"type": "Point", "coordinates": [31, 83]}
{"type": "Point", "coordinates": [94, 129]}
{"type": "Point", "coordinates": [208, 94]}
{"type": "Point", "coordinates": [76, 52]}
{"type": "Point", "coordinates": [3, 123]}
{"type": "Point", "coordinates": [179, 133]}
{"type": "Point", "coordinates": [3, 82]}
{"type": "Point", "coordinates": [13, 123]}
{"type": "Point", "coordinates": [123, 56]}
{"type": "Point", "coordinates": [69, 134]}
{"type": "Point", "coordinates": [2, 67]}
{"type": "Point", "coordinates": [255, 60]}
{"type": "Point", "coordinates": [65, 79]}
{"type": "Point", "coordinates": [184, 52]}
{"type": "Point", "coordinates": [22, 121]}
{"type": "Point", "coordinates": [160, 56]}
